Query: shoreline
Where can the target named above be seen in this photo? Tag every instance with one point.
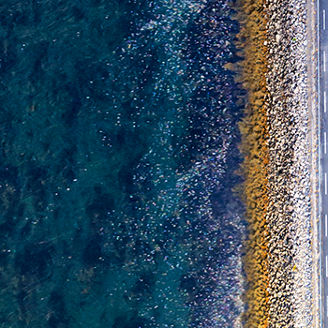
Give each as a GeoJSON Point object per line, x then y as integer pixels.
{"type": "Point", "coordinates": [314, 113]}
{"type": "Point", "coordinates": [290, 253]}
{"type": "Point", "coordinates": [282, 216]}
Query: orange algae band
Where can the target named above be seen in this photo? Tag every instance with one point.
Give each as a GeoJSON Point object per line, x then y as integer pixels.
{"type": "Point", "coordinates": [252, 73]}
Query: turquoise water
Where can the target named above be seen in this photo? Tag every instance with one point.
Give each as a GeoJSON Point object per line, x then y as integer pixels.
{"type": "Point", "coordinates": [118, 151]}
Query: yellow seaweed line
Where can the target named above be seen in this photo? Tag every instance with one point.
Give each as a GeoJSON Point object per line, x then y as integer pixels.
{"type": "Point", "coordinates": [252, 73]}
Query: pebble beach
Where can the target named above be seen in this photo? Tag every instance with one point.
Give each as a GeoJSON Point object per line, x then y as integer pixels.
{"type": "Point", "coordinates": [289, 218]}
{"type": "Point", "coordinates": [288, 235]}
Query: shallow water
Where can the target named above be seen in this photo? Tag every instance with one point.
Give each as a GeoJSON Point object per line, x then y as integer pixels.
{"type": "Point", "coordinates": [118, 156]}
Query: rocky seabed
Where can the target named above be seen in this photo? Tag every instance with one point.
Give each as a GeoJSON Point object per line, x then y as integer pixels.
{"type": "Point", "coordinates": [290, 259]}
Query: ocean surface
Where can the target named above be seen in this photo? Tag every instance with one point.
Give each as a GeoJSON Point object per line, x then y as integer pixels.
{"type": "Point", "coordinates": [118, 132]}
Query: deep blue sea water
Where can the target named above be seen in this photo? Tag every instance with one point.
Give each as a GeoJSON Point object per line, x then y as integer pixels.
{"type": "Point", "coordinates": [118, 132]}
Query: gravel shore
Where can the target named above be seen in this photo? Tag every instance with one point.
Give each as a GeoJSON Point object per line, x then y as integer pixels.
{"type": "Point", "coordinates": [290, 257]}
{"type": "Point", "coordinates": [278, 142]}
